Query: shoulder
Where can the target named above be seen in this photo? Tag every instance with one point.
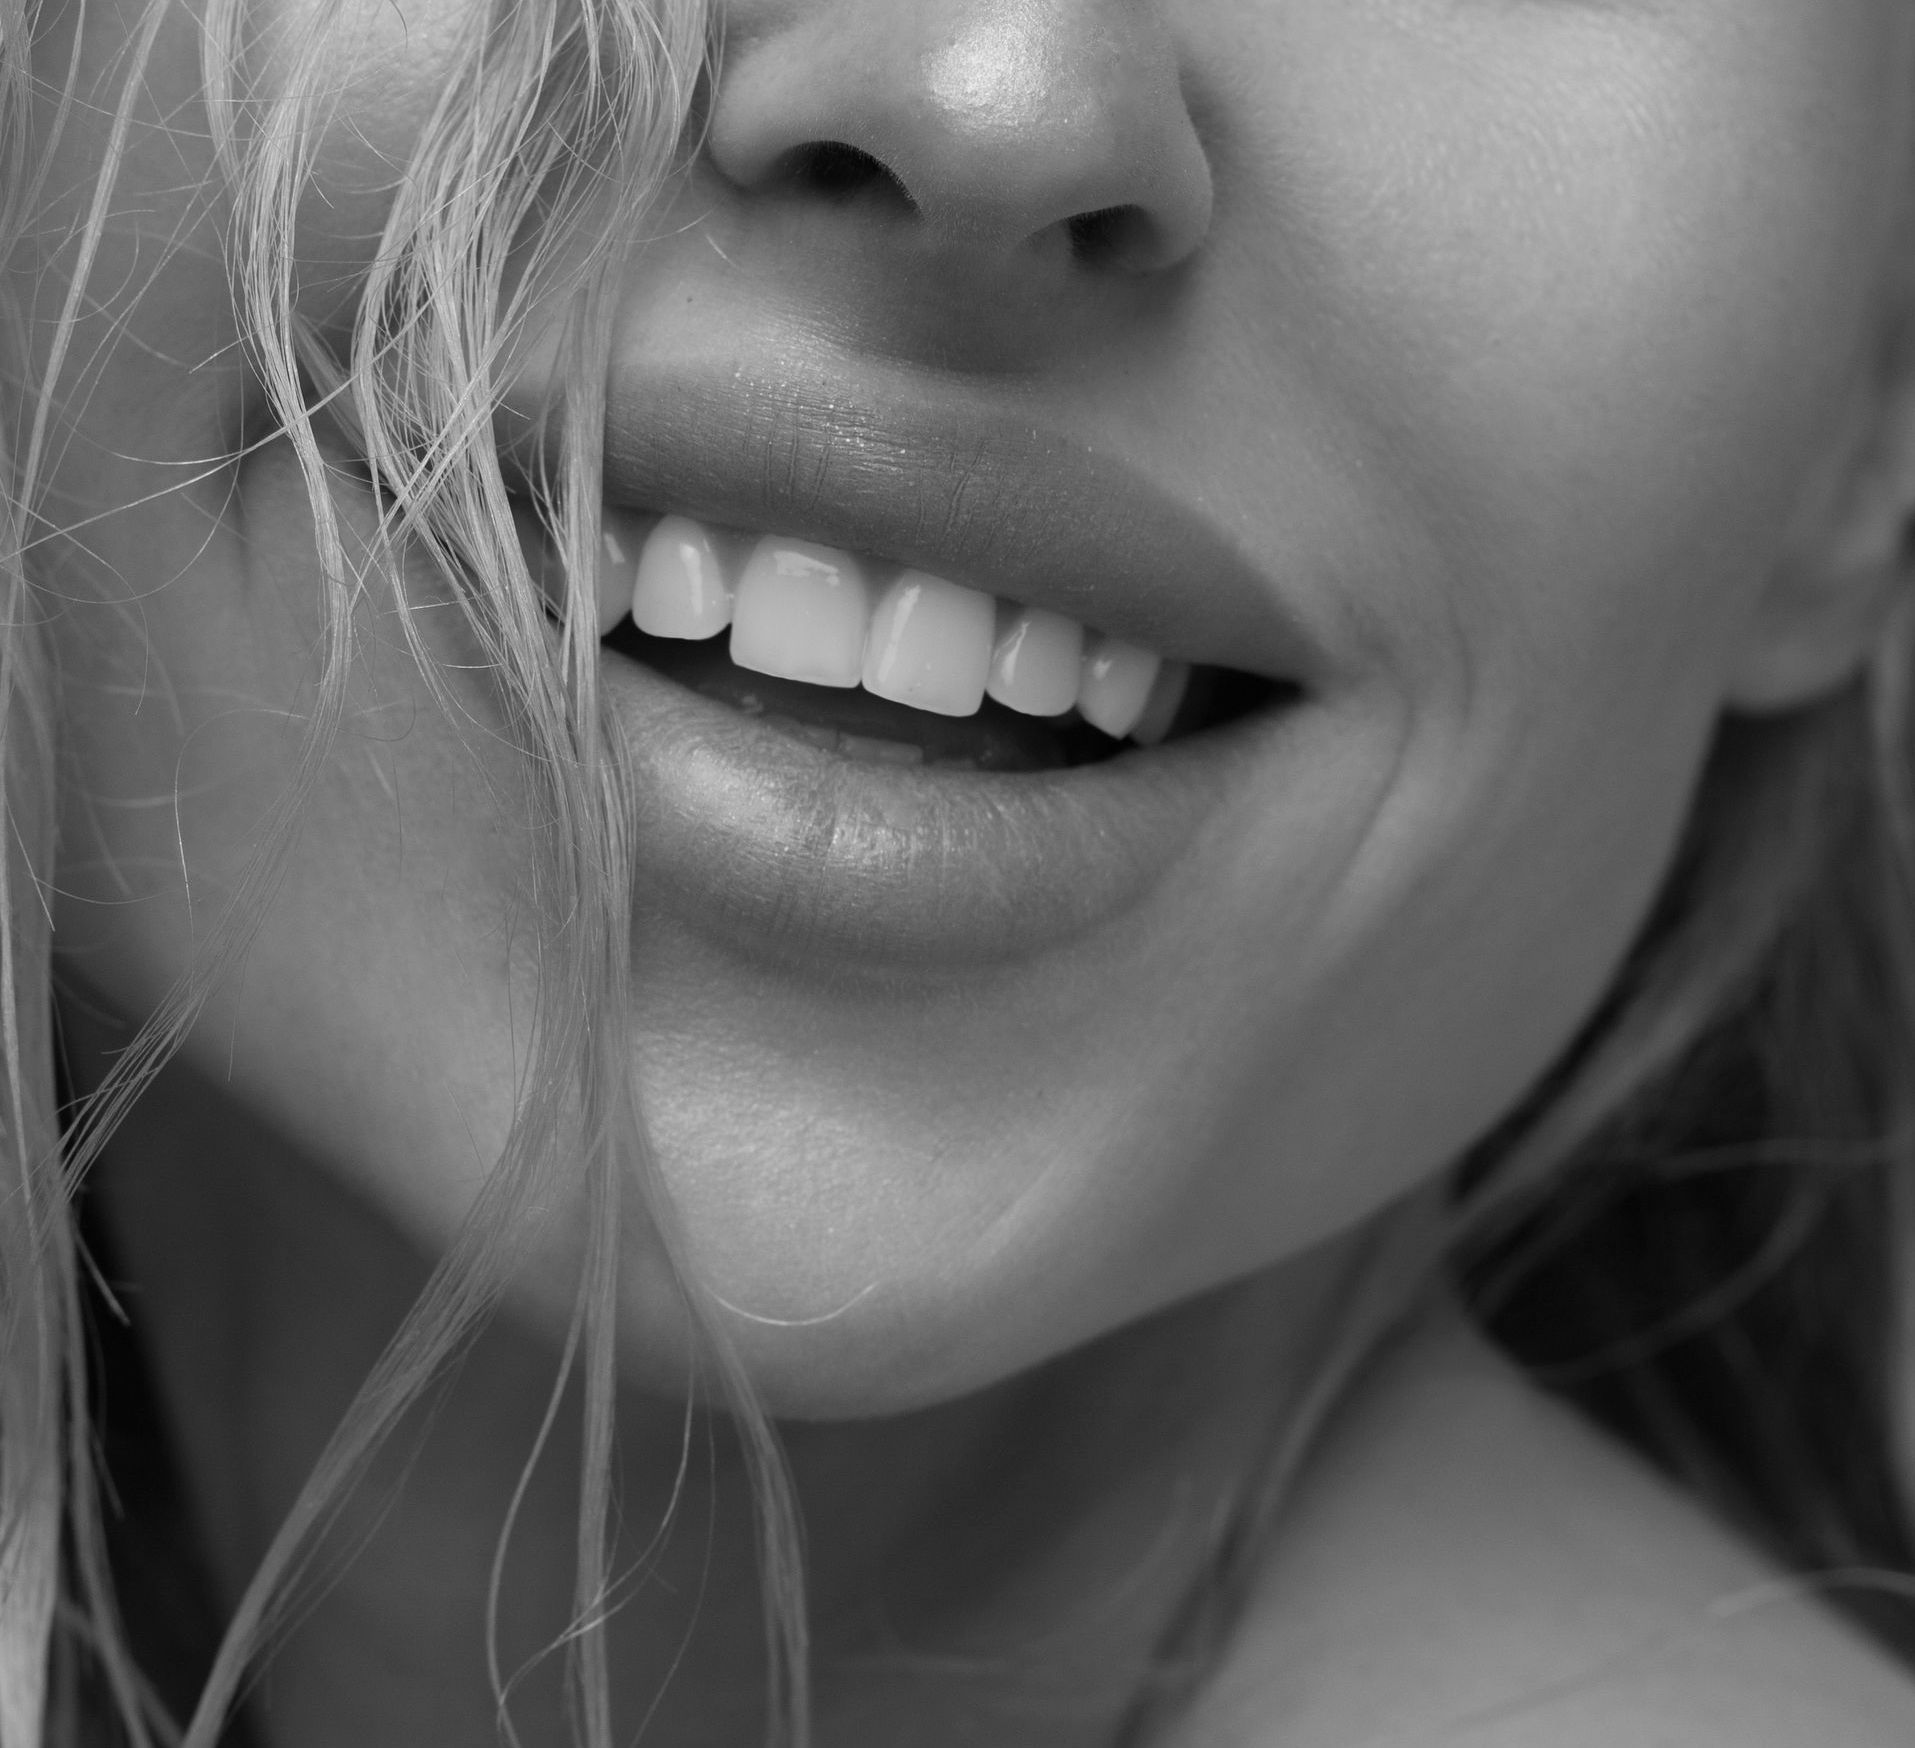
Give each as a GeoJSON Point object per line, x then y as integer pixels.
{"type": "Point", "coordinates": [1469, 1564]}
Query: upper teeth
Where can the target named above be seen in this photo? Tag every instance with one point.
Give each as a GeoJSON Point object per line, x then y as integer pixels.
{"type": "Point", "coordinates": [802, 611]}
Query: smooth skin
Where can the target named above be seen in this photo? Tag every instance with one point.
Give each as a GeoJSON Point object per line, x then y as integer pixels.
{"type": "Point", "coordinates": [1536, 353]}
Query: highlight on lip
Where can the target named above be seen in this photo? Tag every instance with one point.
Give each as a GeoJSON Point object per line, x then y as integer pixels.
{"type": "Point", "coordinates": [799, 610]}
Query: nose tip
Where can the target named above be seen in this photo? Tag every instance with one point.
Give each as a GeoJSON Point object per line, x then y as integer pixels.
{"type": "Point", "coordinates": [997, 125]}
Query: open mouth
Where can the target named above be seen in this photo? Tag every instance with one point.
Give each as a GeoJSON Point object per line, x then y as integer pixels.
{"type": "Point", "coordinates": [905, 683]}
{"type": "Point", "coordinates": [881, 663]}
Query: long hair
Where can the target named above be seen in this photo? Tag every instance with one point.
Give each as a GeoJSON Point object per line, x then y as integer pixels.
{"type": "Point", "coordinates": [557, 121]}
{"type": "Point", "coordinates": [1765, 1019]}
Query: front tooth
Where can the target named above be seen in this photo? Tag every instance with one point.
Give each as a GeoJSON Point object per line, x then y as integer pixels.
{"type": "Point", "coordinates": [678, 584]}
{"type": "Point", "coordinates": [930, 645]}
{"type": "Point", "coordinates": [800, 613]}
{"type": "Point", "coordinates": [1115, 685]}
{"type": "Point", "coordinates": [1035, 665]}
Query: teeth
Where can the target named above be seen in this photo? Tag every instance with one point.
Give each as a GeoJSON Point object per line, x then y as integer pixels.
{"type": "Point", "coordinates": [678, 586]}
{"type": "Point", "coordinates": [621, 537]}
{"type": "Point", "coordinates": [801, 613]}
{"type": "Point", "coordinates": [930, 645]}
{"type": "Point", "coordinates": [1166, 699]}
{"type": "Point", "coordinates": [622, 534]}
{"type": "Point", "coordinates": [1115, 685]}
{"type": "Point", "coordinates": [1036, 663]}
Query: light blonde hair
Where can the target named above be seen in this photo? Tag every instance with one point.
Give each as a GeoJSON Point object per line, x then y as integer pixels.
{"type": "Point", "coordinates": [556, 120]}
{"type": "Point", "coordinates": [562, 121]}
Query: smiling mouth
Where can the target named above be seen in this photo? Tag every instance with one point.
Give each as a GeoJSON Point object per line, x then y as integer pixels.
{"type": "Point", "coordinates": [883, 663]}
{"type": "Point", "coordinates": [905, 684]}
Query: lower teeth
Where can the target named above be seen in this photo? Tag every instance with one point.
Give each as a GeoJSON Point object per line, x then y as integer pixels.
{"type": "Point", "coordinates": [866, 749]}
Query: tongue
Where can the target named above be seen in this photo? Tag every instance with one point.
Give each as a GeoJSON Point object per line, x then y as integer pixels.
{"type": "Point", "coordinates": [860, 725]}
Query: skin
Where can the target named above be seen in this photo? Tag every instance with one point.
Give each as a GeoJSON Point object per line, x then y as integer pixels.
{"type": "Point", "coordinates": [1534, 353]}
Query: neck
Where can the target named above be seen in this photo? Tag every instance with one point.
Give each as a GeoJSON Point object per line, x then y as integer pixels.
{"type": "Point", "coordinates": [999, 1568]}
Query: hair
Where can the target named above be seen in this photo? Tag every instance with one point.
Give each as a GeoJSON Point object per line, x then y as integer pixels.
{"type": "Point", "coordinates": [569, 116]}
{"type": "Point", "coordinates": [1692, 1225]}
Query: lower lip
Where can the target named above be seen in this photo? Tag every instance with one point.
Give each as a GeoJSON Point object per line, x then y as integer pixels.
{"type": "Point", "coordinates": [770, 846]}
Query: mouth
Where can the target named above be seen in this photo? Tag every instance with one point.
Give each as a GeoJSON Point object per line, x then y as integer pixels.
{"type": "Point", "coordinates": [908, 687]}
{"type": "Point", "coordinates": [884, 663]}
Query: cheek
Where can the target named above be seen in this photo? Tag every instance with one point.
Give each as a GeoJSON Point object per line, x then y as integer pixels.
{"type": "Point", "coordinates": [1432, 978]}
{"type": "Point", "coordinates": [1592, 284]}
{"type": "Point", "coordinates": [378, 71]}
{"type": "Point", "coordinates": [369, 1018]}
{"type": "Point", "coordinates": [1588, 293]}
{"type": "Point", "coordinates": [1634, 302]}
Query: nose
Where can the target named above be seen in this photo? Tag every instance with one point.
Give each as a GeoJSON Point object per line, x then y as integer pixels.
{"type": "Point", "coordinates": [999, 127]}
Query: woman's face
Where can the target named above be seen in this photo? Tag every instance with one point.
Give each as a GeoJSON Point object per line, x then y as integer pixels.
{"type": "Point", "coordinates": [1476, 372]}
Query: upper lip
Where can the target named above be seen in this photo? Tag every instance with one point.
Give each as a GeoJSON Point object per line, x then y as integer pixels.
{"type": "Point", "coordinates": [967, 492]}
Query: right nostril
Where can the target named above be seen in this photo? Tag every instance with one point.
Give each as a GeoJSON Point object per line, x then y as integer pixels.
{"type": "Point", "coordinates": [841, 173]}
{"type": "Point", "coordinates": [1113, 236]}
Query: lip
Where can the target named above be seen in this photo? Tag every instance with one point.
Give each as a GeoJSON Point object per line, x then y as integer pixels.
{"type": "Point", "coordinates": [958, 488]}
{"type": "Point", "coordinates": [768, 845]}
{"type": "Point", "coordinates": [764, 843]}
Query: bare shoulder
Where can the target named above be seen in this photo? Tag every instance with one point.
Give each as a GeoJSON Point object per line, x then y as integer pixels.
{"type": "Point", "coordinates": [1470, 1565]}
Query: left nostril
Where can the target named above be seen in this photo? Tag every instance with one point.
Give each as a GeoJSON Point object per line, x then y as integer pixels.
{"type": "Point", "coordinates": [840, 173]}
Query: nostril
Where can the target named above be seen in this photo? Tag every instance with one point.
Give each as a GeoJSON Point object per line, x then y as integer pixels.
{"type": "Point", "coordinates": [1052, 130]}
{"type": "Point", "coordinates": [840, 173]}
{"type": "Point", "coordinates": [1112, 236]}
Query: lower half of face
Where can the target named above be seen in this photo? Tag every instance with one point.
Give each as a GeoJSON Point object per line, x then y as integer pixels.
{"type": "Point", "coordinates": [1483, 406]}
